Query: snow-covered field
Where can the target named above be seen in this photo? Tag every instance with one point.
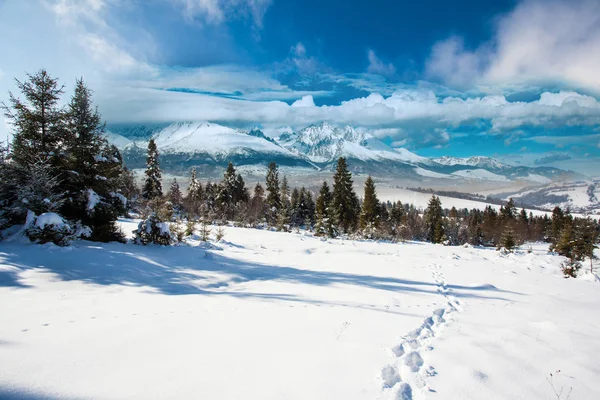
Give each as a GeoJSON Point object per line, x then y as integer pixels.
{"type": "Point", "coordinates": [266, 315]}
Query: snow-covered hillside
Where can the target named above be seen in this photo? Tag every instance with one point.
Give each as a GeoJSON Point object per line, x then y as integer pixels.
{"type": "Point", "coordinates": [576, 196]}
{"type": "Point", "coordinates": [266, 315]}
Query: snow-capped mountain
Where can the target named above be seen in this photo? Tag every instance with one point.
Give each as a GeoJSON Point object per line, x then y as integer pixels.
{"type": "Point", "coordinates": [186, 144]}
{"type": "Point", "coordinates": [210, 146]}
{"type": "Point", "coordinates": [323, 144]}
{"type": "Point", "coordinates": [475, 161]}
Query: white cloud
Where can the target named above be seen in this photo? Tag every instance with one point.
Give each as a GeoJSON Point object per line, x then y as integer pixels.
{"type": "Point", "coordinates": [218, 11]}
{"type": "Point", "coordinates": [306, 101]}
{"type": "Point", "coordinates": [562, 141]}
{"type": "Point", "coordinates": [455, 65]}
{"type": "Point", "coordinates": [538, 40]}
{"type": "Point", "coordinates": [300, 61]}
{"type": "Point", "coordinates": [377, 66]}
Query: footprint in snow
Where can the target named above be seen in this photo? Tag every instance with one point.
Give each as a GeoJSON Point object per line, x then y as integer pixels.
{"type": "Point", "coordinates": [405, 392]}
{"type": "Point", "coordinates": [390, 376]}
{"type": "Point", "coordinates": [413, 361]}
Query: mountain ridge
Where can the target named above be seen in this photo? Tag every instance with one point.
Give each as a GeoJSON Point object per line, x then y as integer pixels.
{"type": "Point", "coordinates": [315, 147]}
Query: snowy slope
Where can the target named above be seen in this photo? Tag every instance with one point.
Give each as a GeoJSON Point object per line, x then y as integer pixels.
{"type": "Point", "coordinates": [119, 141]}
{"type": "Point", "coordinates": [266, 315]}
{"type": "Point", "coordinates": [577, 196]}
{"type": "Point", "coordinates": [190, 137]}
{"type": "Point", "coordinates": [480, 174]}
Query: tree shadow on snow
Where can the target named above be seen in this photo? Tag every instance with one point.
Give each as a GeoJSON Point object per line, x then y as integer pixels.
{"type": "Point", "coordinates": [12, 393]}
{"type": "Point", "coordinates": [187, 270]}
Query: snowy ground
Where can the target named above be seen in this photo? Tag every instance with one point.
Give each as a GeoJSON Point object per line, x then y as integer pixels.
{"type": "Point", "coordinates": [266, 315]}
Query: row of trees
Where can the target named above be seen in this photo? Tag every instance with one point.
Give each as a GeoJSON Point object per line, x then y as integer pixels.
{"type": "Point", "coordinates": [59, 165]}
{"type": "Point", "coordinates": [337, 210]}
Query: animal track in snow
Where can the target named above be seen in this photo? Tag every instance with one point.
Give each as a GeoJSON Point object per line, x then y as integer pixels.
{"type": "Point", "coordinates": [409, 369]}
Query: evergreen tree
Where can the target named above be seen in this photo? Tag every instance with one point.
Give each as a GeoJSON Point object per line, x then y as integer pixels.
{"type": "Point", "coordinates": [566, 244]}
{"type": "Point", "coordinates": [65, 147]}
{"type": "Point", "coordinates": [556, 225]}
{"type": "Point", "coordinates": [586, 238]}
{"type": "Point", "coordinates": [345, 205]}
{"type": "Point", "coordinates": [273, 193]}
{"type": "Point", "coordinates": [257, 204]}
{"type": "Point", "coordinates": [508, 241]}
{"type": "Point", "coordinates": [175, 196]}
{"type": "Point", "coordinates": [509, 211]}
{"type": "Point", "coordinates": [38, 121]}
{"type": "Point", "coordinates": [153, 186]}
{"type": "Point", "coordinates": [324, 222]}
{"type": "Point", "coordinates": [285, 193]}
{"type": "Point", "coordinates": [96, 172]}
{"type": "Point", "coordinates": [489, 226]}
{"type": "Point", "coordinates": [86, 141]}
{"type": "Point", "coordinates": [397, 218]}
{"type": "Point", "coordinates": [194, 195]}
{"type": "Point", "coordinates": [370, 213]}
{"type": "Point", "coordinates": [434, 220]}
{"type": "Point", "coordinates": [474, 231]}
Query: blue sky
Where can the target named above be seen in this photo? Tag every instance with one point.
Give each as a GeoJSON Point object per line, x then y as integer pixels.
{"type": "Point", "coordinates": [507, 78]}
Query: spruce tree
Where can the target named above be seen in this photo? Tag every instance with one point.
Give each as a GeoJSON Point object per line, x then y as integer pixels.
{"type": "Point", "coordinates": [397, 218]}
{"type": "Point", "coordinates": [175, 196]}
{"type": "Point", "coordinates": [273, 193]}
{"type": "Point", "coordinates": [38, 121]}
{"type": "Point", "coordinates": [370, 213]}
{"type": "Point", "coordinates": [194, 195]}
{"type": "Point", "coordinates": [566, 244]}
{"type": "Point", "coordinates": [434, 220]}
{"type": "Point", "coordinates": [324, 222]}
{"type": "Point", "coordinates": [586, 238]}
{"type": "Point", "coordinates": [345, 204]}
{"type": "Point", "coordinates": [556, 225]}
{"type": "Point", "coordinates": [508, 241]}
{"type": "Point", "coordinates": [285, 193]}
{"type": "Point", "coordinates": [95, 190]}
{"type": "Point", "coordinates": [257, 204]}
{"type": "Point", "coordinates": [152, 186]}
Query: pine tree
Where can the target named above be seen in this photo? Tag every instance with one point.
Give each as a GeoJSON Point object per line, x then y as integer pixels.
{"type": "Point", "coordinates": [175, 196]}
{"type": "Point", "coordinates": [370, 213]}
{"type": "Point", "coordinates": [566, 243]}
{"type": "Point", "coordinates": [257, 204]}
{"type": "Point", "coordinates": [86, 141]}
{"type": "Point", "coordinates": [273, 193]}
{"type": "Point", "coordinates": [587, 236]}
{"type": "Point", "coordinates": [434, 220]}
{"type": "Point", "coordinates": [194, 195]}
{"type": "Point", "coordinates": [397, 218]}
{"type": "Point", "coordinates": [345, 205]}
{"type": "Point", "coordinates": [96, 172]}
{"type": "Point", "coordinates": [285, 193]}
{"type": "Point", "coordinates": [556, 226]}
{"type": "Point", "coordinates": [153, 186]}
{"type": "Point", "coordinates": [508, 241]}
{"type": "Point", "coordinates": [509, 211]}
{"type": "Point", "coordinates": [38, 122]}
{"type": "Point", "coordinates": [324, 224]}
